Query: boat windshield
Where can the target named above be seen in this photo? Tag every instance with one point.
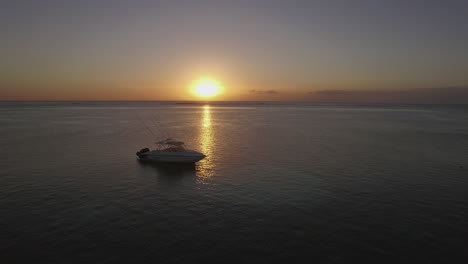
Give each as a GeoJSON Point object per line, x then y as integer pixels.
{"type": "Point", "coordinates": [174, 149]}
{"type": "Point", "coordinates": [170, 145]}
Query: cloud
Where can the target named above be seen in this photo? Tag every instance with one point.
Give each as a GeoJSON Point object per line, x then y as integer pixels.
{"type": "Point", "coordinates": [263, 91]}
{"type": "Point", "coordinates": [441, 95]}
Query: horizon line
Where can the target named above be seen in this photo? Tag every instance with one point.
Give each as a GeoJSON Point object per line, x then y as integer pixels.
{"type": "Point", "coordinates": [223, 101]}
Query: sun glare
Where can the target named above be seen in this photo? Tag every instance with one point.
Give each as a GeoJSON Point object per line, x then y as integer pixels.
{"type": "Point", "coordinates": [206, 88]}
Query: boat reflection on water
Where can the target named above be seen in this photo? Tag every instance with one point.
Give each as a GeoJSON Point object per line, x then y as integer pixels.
{"type": "Point", "coordinates": [170, 172]}
{"type": "Point", "coordinates": [205, 166]}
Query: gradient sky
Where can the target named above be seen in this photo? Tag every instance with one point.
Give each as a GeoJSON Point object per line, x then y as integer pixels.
{"type": "Point", "coordinates": [258, 50]}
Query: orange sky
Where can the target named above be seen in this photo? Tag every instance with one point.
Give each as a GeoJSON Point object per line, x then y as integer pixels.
{"type": "Point", "coordinates": [154, 50]}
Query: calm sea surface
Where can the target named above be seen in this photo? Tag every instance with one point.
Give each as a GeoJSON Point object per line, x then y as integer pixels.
{"type": "Point", "coordinates": [282, 182]}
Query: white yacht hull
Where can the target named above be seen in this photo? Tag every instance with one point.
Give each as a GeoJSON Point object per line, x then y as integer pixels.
{"type": "Point", "coordinates": [175, 157]}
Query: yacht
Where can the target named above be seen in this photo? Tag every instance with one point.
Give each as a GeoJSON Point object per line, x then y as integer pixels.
{"type": "Point", "coordinates": [170, 150]}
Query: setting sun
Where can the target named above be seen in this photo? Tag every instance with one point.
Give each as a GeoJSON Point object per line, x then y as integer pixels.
{"type": "Point", "coordinates": [206, 87]}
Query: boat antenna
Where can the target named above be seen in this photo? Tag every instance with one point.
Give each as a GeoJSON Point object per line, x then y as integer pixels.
{"type": "Point", "coordinates": [158, 126]}
{"type": "Point", "coordinates": [155, 119]}
{"type": "Point", "coordinates": [146, 126]}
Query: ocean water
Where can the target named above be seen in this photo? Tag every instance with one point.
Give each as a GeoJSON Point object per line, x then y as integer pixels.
{"type": "Point", "coordinates": [282, 182]}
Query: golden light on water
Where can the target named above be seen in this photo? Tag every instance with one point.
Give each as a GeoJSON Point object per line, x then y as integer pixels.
{"type": "Point", "coordinates": [206, 117]}
{"type": "Point", "coordinates": [206, 87]}
{"type": "Point", "coordinates": [206, 131]}
{"type": "Point", "coordinates": [206, 143]}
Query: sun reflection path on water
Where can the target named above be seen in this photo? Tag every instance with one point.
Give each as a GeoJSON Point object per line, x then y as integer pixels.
{"type": "Point", "coordinates": [205, 167]}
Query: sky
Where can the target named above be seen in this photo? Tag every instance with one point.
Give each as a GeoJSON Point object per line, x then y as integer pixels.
{"type": "Point", "coordinates": [326, 50]}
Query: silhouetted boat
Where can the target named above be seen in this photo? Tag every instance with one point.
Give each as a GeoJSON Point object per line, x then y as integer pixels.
{"type": "Point", "coordinates": [170, 150]}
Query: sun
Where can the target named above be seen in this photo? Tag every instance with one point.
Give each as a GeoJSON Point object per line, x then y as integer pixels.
{"type": "Point", "coordinates": [206, 87]}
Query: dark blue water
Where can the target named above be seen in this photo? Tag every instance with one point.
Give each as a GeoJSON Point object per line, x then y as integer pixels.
{"type": "Point", "coordinates": [282, 182]}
